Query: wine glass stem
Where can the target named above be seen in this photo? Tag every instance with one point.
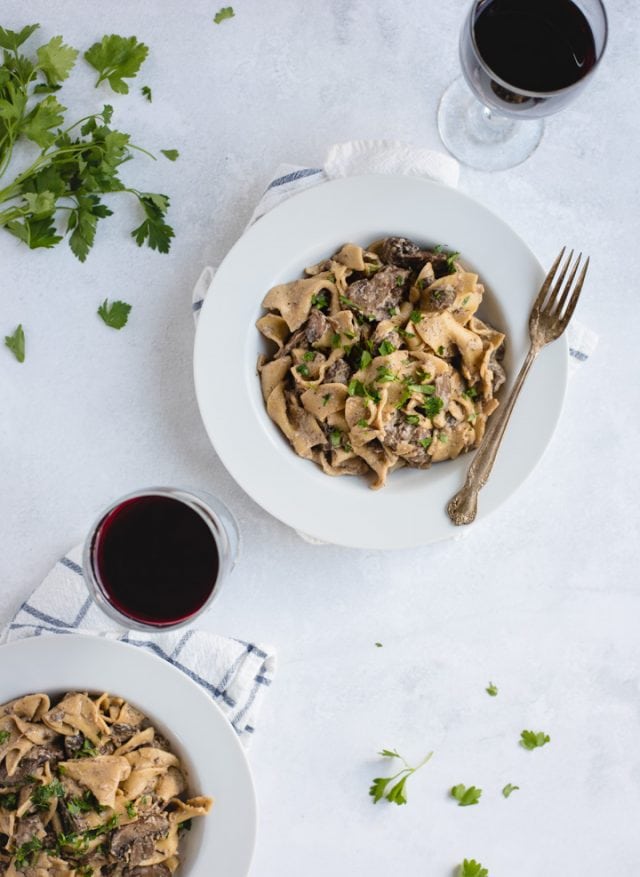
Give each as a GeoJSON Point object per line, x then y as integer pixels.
{"type": "Point", "coordinates": [485, 126]}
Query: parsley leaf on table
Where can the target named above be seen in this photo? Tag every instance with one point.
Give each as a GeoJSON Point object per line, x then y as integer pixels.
{"type": "Point", "coordinates": [15, 343]}
{"type": "Point", "coordinates": [508, 789]}
{"type": "Point", "coordinates": [466, 796]}
{"type": "Point", "coordinates": [534, 739]}
{"type": "Point", "coordinates": [114, 314]}
{"type": "Point", "coordinates": [491, 689]}
{"type": "Point", "coordinates": [222, 14]}
{"type": "Point", "coordinates": [146, 91]}
{"type": "Point", "coordinates": [154, 230]}
{"type": "Point", "coordinates": [471, 868]}
{"type": "Point", "coordinates": [56, 60]}
{"type": "Point", "coordinates": [117, 58]}
{"type": "Point", "coordinates": [171, 154]}
{"type": "Point", "coordinates": [396, 794]}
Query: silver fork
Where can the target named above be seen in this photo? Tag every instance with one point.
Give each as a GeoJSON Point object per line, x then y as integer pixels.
{"type": "Point", "coordinates": [549, 317]}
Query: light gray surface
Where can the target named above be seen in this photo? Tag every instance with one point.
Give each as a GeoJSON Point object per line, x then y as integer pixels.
{"type": "Point", "coordinates": [542, 599]}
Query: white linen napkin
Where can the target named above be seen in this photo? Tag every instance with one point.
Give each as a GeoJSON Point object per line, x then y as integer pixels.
{"type": "Point", "coordinates": [376, 157]}
{"type": "Point", "coordinates": [234, 673]}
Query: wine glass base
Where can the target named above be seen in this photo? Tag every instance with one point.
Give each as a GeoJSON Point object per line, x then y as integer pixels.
{"type": "Point", "coordinates": [479, 137]}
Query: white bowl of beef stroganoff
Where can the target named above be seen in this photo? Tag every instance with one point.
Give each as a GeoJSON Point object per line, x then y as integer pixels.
{"type": "Point", "coordinates": [309, 228]}
{"type": "Point", "coordinates": [185, 722]}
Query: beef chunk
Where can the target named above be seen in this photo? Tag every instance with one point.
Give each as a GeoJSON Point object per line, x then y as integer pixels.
{"type": "Point", "coordinates": [316, 325]}
{"type": "Point", "coordinates": [160, 870]}
{"type": "Point", "coordinates": [134, 842]}
{"type": "Point", "coordinates": [377, 295]}
{"type": "Point", "coordinates": [121, 733]}
{"type": "Point", "coordinates": [73, 744]}
{"type": "Point", "coordinates": [338, 373]}
{"type": "Point", "coordinates": [499, 374]}
{"type": "Point", "coordinates": [34, 759]}
{"type": "Point", "coordinates": [27, 828]}
{"type": "Point", "coordinates": [406, 254]}
{"type": "Point", "coordinates": [439, 299]}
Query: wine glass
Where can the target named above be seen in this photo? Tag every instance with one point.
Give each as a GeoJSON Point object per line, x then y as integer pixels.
{"type": "Point", "coordinates": [522, 60]}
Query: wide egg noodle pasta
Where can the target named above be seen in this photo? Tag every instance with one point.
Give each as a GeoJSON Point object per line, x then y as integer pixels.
{"type": "Point", "coordinates": [88, 786]}
{"type": "Point", "coordinates": [380, 360]}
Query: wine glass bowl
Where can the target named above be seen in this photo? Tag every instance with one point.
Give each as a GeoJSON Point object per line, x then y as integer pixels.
{"type": "Point", "coordinates": [521, 60]}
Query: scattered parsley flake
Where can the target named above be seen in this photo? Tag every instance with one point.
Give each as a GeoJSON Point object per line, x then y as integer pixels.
{"type": "Point", "coordinates": [386, 348]}
{"type": "Point", "coordinates": [25, 854]}
{"type": "Point", "coordinates": [15, 343]}
{"type": "Point", "coordinates": [325, 399]}
{"type": "Point", "coordinates": [363, 424]}
{"type": "Point", "coordinates": [399, 280]}
{"type": "Point", "coordinates": [425, 442]}
{"type": "Point", "coordinates": [4, 736]}
{"type": "Point", "coordinates": [171, 154]}
{"type": "Point", "coordinates": [319, 300]}
{"type": "Point", "coordinates": [303, 370]}
{"type": "Point", "coordinates": [416, 316]}
{"type": "Point", "coordinates": [378, 645]}
{"type": "Point", "coordinates": [335, 437]}
{"type": "Point", "coordinates": [441, 350]}
{"type": "Point", "coordinates": [309, 356]}
{"type": "Point", "coordinates": [365, 359]}
{"type": "Point", "coordinates": [413, 419]}
{"type": "Point", "coordinates": [42, 795]}
{"type": "Point", "coordinates": [470, 392]}
{"type": "Point", "coordinates": [335, 340]}
{"type": "Point", "coordinates": [491, 689]}
{"type": "Point", "coordinates": [131, 810]}
{"type": "Point", "coordinates": [433, 406]}
{"type": "Point", "coordinates": [443, 437]}
{"type": "Point", "coordinates": [466, 796]}
{"type": "Point", "coordinates": [508, 789]}
{"type": "Point", "coordinates": [471, 868]}
{"type": "Point", "coordinates": [396, 793]}
{"type": "Point", "coordinates": [534, 739]}
{"type": "Point", "coordinates": [224, 13]}
{"type": "Point", "coordinates": [146, 91]}
{"type": "Point", "coordinates": [114, 314]}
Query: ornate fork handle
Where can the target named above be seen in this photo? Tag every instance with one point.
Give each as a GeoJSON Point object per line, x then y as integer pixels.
{"type": "Point", "coordinates": [464, 505]}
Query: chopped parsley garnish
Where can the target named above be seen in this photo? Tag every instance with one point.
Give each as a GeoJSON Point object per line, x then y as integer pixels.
{"type": "Point", "coordinates": [224, 13]}
{"type": "Point", "coordinates": [4, 736]}
{"type": "Point", "coordinates": [492, 690]}
{"type": "Point", "coordinates": [15, 343]}
{"type": "Point", "coordinates": [42, 795]}
{"type": "Point", "coordinates": [396, 793]}
{"type": "Point", "coordinates": [438, 248]}
{"type": "Point", "coordinates": [303, 370]}
{"type": "Point", "coordinates": [384, 375]}
{"type": "Point", "coordinates": [350, 335]}
{"type": "Point", "coordinates": [87, 750]}
{"type": "Point", "coordinates": [534, 739]}
{"type": "Point", "coordinates": [309, 356]}
{"type": "Point", "coordinates": [465, 300]}
{"type": "Point", "coordinates": [363, 424]}
{"type": "Point", "coordinates": [365, 359]}
{"type": "Point", "coordinates": [347, 303]}
{"type": "Point", "coordinates": [319, 300]}
{"type": "Point", "coordinates": [425, 389]}
{"type": "Point", "coordinates": [416, 316]}
{"type": "Point", "coordinates": [399, 280]}
{"type": "Point", "coordinates": [85, 804]}
{"type": "Point", "coordinates": [325, 399]}
{"type": "Point", "coordinates": [335, 437]}
{"type": "Point", "coordinates": [470, 393]}
{"type": "Point", "coordinates": [131, 810]}
{"type": "Point", "coordinates": [450, 260]}
{"type": "Point", "coordinates": [472, 417]}
{"type": "Point", "coordinates": [443, 437]}
{"type": "Point", "coordinates": [425, 442]}
{"type": "Point", "coordinates": [413, 419]}
{"type": "Point", "coordinates": [466, 796]}
{"type": "Point", "coordinates": [405, 334]}
{"type": "Point", "coordinates": [441, 350]}
{"type": "Point", "coordinates": [508, 789]}
{"type": "Point", "coordinates": [386, 348]}
{"type": "Point", "coordinates": [335, 340]}
{"type": "Point", "coordinates": [393, 312]}
{"type": "Point", "coordinates": [26, 853]}
{"type": "Point", "coordinates": [331, 278]}
{"type": "Point", "coordinates": [356, 388]}
{"type": "Point", "coordinates": [9, 801]}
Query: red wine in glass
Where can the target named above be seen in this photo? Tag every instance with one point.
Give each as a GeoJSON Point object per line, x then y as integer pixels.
{"type": "Point", "coordinates": [523, 59]}
{"type": "Point", "coordinates": [156, 558]}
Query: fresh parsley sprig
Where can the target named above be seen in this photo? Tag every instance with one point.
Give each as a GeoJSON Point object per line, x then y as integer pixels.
{"type": "Point", "coordinates": [78, 163]}
{"type": "Point", "coordinates": [396, 794]}
{"type": "Point", "coordinates": [117, 58]}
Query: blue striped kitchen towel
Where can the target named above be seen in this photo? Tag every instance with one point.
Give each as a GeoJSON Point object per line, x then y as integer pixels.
{"type": "Point", "coordinates": [235, 673]}
{"type": "Point", "coordinates": [376, 157]}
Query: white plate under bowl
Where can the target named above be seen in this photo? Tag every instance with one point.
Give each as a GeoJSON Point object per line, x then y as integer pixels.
{"type": "Point", "coordinates": [200, 735]}
{"type": "Point", "coordinates": [411, 510]}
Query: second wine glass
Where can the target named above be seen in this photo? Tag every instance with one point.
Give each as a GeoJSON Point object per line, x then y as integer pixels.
{"type": "Point", "coordinates": [522, 60]}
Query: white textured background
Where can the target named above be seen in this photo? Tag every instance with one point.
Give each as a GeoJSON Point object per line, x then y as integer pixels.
{"type": "Point", "coordinates": [543, 598]}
